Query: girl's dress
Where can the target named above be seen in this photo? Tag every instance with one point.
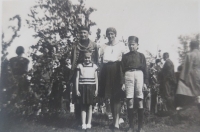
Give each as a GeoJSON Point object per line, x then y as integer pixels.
{"type": "Point", "coordinates": [87, 83]}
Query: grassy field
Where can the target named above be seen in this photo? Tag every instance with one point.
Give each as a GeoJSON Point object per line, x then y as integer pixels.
{"type": "Point", "coordinates": [187, 120]}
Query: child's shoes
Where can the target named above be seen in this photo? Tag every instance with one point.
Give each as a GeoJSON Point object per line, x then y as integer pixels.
{"type": "Point", "coordinates": [88, 126]}
{"type": "Point", "coordinates": [84, 126]}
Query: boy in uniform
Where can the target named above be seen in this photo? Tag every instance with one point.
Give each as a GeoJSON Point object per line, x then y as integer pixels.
{"type": "Point", "coordinates": [135, 79]}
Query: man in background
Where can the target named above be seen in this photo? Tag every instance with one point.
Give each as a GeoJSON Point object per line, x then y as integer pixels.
{"type": "Point", "coordinates": [18, 67]}
{"type": "Point", "coordinates": [168, 82]}
{"type": "Point", "coordinates": [189, 81]}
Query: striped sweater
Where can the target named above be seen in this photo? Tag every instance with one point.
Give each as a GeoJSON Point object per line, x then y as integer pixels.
{"type": "Point", "coordinates": [87, 73]}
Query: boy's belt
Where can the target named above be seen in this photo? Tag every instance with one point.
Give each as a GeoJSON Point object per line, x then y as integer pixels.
{"type": "Point", "coordinates": [134, 70]}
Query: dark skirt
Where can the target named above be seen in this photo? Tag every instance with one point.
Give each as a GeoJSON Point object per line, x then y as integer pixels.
{"type": "Point", "coordinates": [87, 92]}
{"type": "Point", "coordinates": [110, 81]}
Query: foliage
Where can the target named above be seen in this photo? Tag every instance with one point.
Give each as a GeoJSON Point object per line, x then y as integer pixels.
{"type": "Point", "coordinates": [5, 45]}
{"type": "Point", "coordinates": [7, 82]}
{"type": "Point", "coordinates": [56, 23]}
{"type": "Point", "coordinates": [184, 47]}
{"type": "Point", "coordinates": [151, 58]}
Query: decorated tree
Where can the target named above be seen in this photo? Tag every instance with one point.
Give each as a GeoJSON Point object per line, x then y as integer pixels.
{"type": "Point", "coordinates": [56, 23]}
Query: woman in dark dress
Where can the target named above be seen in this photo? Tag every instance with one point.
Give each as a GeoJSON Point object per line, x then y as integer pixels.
{"type": "Point", "coordinates": [111, 73]}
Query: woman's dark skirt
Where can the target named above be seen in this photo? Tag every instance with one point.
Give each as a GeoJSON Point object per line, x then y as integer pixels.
{"type": "Point", "coordinates": [87, 92]}
{"type": "Point", "coordinates": [110, 81]}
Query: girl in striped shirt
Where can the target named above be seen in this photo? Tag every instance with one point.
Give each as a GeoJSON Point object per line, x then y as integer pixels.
{"type": "Point", "coordinates": [86, 88]}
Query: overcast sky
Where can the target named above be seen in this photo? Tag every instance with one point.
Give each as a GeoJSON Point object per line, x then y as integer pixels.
{"type": "Point", "coordinates": [157, 23]}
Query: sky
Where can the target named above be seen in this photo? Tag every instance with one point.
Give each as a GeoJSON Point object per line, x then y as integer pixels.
{"type": "Point", "coordinates": [157, 23]}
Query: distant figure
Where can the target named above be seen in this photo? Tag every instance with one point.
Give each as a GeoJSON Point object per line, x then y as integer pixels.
{"type": "Point", "coordinates": [154, 84]}
{"type": "Point", "coordinates": [177, 74]}
{"type": "Point", "coordinates": [60, 89]}
{"type": "Point", "coordinates": [189, 82]}
{"type": "Point", "coordinates": [179, 101]}
{"type": "Point", "coordinates": [168, 81]}
{"type": "Point", "coordinates": [158, 68]}
{"type": "Point", "coordinates": [19, 67]}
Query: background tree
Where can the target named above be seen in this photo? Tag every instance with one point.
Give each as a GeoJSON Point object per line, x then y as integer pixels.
{"type": "Point", "coordinates": [184, 45]}
{"type": "Point", "coordinates": [6, 79]}
{"type": "Point", "coordinates": [15, 29]}
{"type": "Point", "coordinates": [56, 23]}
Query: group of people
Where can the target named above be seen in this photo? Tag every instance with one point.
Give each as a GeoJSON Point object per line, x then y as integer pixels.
{"type": "Point", "coordinates": [122, 74]}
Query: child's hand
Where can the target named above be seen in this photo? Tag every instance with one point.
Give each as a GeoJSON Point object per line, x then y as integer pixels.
{"type": "Point", "coordinates": [96, 93]}
{"type": "Point", "coordinates": [78, 93]}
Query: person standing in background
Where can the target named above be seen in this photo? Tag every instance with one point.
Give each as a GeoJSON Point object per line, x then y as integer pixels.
{"type": "Point", "coordinates": [19, 67]}
{"type": "Point", "coordinates": [189, 81]}
{"type": "Point", "coordinates": [168, 82]}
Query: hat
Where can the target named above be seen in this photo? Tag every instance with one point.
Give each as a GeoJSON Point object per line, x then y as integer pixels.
{"type": "Point", "coordinates": [87, 28]}
{"type": "Point", "coordinates": [133, 39]}
{"type": "Point", "coordinates": [87, 54]}
{"type": "Point", "coordinates": [111, 29]}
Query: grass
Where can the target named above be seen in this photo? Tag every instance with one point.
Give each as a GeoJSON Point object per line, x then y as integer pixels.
{"type": "Point", "coordinates": [187, 120]}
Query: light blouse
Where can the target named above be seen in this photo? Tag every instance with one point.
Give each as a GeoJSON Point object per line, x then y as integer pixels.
{"type": "Point", "coordinates": [112, 53]}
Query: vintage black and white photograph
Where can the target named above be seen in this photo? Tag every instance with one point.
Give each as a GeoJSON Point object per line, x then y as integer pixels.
{"type": "Point", "coordinates": [100, 66]}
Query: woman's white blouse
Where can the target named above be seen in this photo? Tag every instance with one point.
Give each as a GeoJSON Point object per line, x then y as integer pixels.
{"type": "Point", "coordinates": [112, 53]}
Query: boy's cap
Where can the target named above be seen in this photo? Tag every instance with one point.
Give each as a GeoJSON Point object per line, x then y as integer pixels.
{"type": "Point", "coordinates": [133, 39]}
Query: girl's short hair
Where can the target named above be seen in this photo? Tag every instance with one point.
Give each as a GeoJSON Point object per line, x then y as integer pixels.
{"type": "Point", "coordinates": [87, 54]}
